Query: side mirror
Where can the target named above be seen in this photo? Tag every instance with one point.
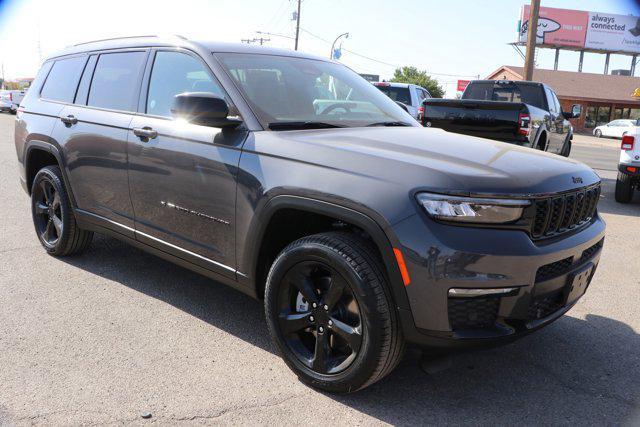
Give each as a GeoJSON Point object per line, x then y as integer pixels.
{"type": "Point", "coordinates": [203, 108]}
{"type": "Point", "coordinates": [576, 112]}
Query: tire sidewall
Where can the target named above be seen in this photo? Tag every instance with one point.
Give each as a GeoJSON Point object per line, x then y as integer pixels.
{"type": "Point", "coordinates": [52, 174]}
{"type": "Point", "coordinates": [360, 369]}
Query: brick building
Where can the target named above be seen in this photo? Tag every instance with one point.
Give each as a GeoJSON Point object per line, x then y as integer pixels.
{"type": "Point", "coordinates": [603, 97]}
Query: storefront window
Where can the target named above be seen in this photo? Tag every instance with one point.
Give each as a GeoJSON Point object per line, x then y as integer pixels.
{"type": "Point", "coordinates": [590, 117]}
{"type": "Point", "coordinates": [634, 113]}
{"type": "Point", "coordinates": [604, 115]}
{"type": "Point", "coordinates": [617, 113]}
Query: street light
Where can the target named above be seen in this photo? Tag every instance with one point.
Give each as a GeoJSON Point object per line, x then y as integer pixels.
{"type": "Point", "coordinates": [346, 35]}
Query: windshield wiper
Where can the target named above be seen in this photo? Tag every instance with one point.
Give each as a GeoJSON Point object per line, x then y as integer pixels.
{"type": "Point", "coordinates": [390, 124]}
{"type": "Point", "coordinates": [302, 125]}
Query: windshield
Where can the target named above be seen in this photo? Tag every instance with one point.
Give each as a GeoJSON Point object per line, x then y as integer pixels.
{"type": "Point", "coordinates": [283, 89]}
{"type": "Point", "coordinates": [396, 93]}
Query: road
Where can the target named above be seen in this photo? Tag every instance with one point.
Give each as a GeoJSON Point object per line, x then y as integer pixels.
{"type": "Point", "coordinates": [112, 334]}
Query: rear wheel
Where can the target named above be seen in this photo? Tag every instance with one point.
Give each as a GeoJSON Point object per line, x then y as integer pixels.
{"type": "Point", "coordinates": [53, 217]}
{"type": "Point", "coordinates": [624, 188]}
{"type": "Point", "coordinates": [330, 313]}
{"type": "Point", "coordinates": [598, 133]}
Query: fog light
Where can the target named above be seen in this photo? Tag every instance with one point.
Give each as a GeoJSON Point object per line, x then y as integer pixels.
{"type": "Point", "coordinates": [481, 292]}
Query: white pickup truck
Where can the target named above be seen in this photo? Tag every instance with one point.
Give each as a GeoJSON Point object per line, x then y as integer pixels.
{"type": "Point", "coordinates": [628, 167]}
{"type": "Point", "coordinates": [410, 96]}
{"type": "Point", "coordinates": [10, 100]}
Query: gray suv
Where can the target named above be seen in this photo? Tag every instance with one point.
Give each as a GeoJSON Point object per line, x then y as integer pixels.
{"type": "Point", "coordinates": [292, 179]}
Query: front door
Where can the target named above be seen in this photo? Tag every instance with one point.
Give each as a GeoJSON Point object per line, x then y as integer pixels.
{"type": "Point", "coordinates": [183, 176]}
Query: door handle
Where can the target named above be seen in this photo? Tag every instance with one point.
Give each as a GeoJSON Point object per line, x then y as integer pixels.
{"type": "Point", "coordinates": [145, 133]}
{"type": "Point", "coordinates": [69, 120]}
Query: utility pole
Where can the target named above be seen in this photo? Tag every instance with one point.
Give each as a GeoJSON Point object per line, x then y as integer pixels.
{"type": "Point", "coordinates": [298, 24]}
{"type": "Point", "coordinates": [531, 40]}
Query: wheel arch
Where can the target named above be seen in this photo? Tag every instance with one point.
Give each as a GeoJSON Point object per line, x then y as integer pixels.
{"type": "Point", "coordinates": [383, 242]}
{"type": "Point", "coordinates": [39, 154]}
{"type": "Point", "coordinates": [542, 134]}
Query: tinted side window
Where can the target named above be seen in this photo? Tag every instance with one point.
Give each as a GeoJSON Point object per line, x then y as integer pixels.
{"type": "Point", "coordinates": [63, 78]}
{"type": "Point", "coordinates": [556, 101]}
{"type": "Point", "coordinates": [550, 101]}
{"type": "Point", "coordinates": [174, 73]}
{"type": "Point", "coordinates": [115, 80]}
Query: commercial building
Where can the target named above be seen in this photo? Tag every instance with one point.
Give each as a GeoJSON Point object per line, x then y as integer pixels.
{"type": "Point", "coordinates": [603, 97]}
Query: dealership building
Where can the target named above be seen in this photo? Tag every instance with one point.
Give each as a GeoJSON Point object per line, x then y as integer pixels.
{"type": "Point", "coordinates": [603, 97]}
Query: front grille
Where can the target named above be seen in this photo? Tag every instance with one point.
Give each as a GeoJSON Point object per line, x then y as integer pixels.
{"type": "Point", "coordinates": [473, 313]}
{"type": "Point", "coordinates": [555, 215]}
{"type": "Point", "coordinates": [554, 269]}
{"type": "Point", "coordinates": [545, 305]}
{"type": "Point", "coordinates": [589, 252]}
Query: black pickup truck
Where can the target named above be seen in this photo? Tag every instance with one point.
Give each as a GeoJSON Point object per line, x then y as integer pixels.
{"type": "Point", "coordinates": [519, 112]}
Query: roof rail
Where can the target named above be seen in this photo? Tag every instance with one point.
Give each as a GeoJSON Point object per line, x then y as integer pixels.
{"type": "Point", "coordinates": [113, 38]}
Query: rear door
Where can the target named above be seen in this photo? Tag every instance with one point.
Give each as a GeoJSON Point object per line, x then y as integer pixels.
{"type": "Point", "coordinates": [93, 132]}
{"type": "Point", "coordinates": [183, 179]}
{"type": "Point", "coordinates": [555, 124]}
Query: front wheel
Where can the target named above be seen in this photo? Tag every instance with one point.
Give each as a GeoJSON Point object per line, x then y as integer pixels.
{"type": "Point", "coordinates": [53, 216]}
{"type": "Point", "coordinates": [330, 313]}
{"type": "Point", "coordinates": [566, 148]}
{"type": "Point", "coordinates": [624, 188]}
{"type": "Point", "coordinates": [598, 133]}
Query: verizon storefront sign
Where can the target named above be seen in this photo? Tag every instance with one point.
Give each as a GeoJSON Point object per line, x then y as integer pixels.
{"type": "Point", "coordinates": [581, 29]}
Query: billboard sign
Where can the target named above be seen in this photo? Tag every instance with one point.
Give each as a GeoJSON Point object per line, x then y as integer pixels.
{"type": "Point", "coordinates": [613, 32]}
{"type": "Point", "coordinates": [579, 29]}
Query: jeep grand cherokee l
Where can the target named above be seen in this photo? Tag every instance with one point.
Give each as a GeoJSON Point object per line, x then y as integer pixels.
{"type": "Point", "coordinates": [292, 179]}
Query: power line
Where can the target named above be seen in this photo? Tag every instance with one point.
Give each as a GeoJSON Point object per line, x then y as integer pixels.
{"type": "Point", "coordinates": [383, 62]}
{"type": "Point", "coordinates": [275, 34]}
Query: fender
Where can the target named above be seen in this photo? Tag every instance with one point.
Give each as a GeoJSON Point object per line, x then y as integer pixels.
{"type": "Point", "coordinates": [50, 147]}
{"type": "Point", "coordinates": [382, 238]}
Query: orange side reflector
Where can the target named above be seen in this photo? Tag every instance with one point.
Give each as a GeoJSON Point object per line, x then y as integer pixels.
{"type": "Point", "coordinates": [402, 266]}
{"type": "Point", "coordinates": [631, 169]}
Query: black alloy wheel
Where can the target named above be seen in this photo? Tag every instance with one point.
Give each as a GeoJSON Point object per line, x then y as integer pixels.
{"type": "Point", "coordinates": [330, 311]}
{"type": "Point", "coordinates": [47, 213]}
{"type": "Point", "coordinates": [319, 317]}
{"type": "Point", "coordinates": [53, 215]}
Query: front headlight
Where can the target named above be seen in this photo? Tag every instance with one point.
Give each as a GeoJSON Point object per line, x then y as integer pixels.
{"type": "Point", "coordinates": [472, 209]}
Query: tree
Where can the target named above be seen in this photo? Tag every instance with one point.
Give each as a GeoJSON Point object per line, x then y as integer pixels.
{"type": "Point", "coordinates": [418, 77]}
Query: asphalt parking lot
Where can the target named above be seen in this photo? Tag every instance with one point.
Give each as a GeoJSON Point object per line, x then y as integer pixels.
{"type": "Point", "coordinates": [114, 333]}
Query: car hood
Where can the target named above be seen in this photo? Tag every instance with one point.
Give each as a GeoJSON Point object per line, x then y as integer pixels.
{"type": "Point", "coordinates": [435, 160]}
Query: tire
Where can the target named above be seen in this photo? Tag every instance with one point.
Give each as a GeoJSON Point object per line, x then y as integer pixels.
{"type": "Point", "coordinates": [14, 112]}
{"type": "Point", "coordinates": [355, 268]}
{"type": "Point", "coordinates": [566, 148]}
{"type": "Point", "coordinates": [624, 188]}
{"type": "Point", "coordinates": [598, 133]}
{"type": "Point", "coordinates": [53, 216]}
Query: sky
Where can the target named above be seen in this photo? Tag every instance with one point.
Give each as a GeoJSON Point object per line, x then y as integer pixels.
{"type": "Point", "coordinates": [452, 39]}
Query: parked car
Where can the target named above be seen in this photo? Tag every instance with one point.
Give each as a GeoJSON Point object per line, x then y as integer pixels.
{"type": "Point", "coordinates": [517, 112]}
{"type": "Point", "coordinates": [411, 96]}
{"type": "Point", "coordinates": [10, 100]}
{"type": "Point", "coordinates": [362, 231]}
{"type": "Point", "coordinates": [628, 167]}
{"type": "Point", "coordinates": [616, 128]}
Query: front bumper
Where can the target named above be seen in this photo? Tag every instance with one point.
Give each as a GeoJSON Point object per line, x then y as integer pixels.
{"type": "Point", "coordinates": [444, 257]}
